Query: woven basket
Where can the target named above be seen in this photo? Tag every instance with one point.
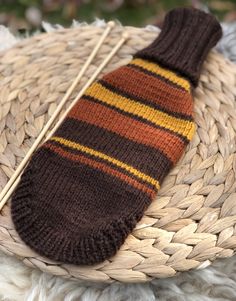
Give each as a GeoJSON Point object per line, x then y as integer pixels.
{"type": "Point", "coordinates": [192, 221]}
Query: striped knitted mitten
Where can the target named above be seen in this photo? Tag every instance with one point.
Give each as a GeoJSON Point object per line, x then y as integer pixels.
{"type": "Point", "coordinates": [86, 188]}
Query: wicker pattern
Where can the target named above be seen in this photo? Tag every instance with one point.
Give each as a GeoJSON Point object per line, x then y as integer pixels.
{"type": "Point", "coordinates": [193, 219]}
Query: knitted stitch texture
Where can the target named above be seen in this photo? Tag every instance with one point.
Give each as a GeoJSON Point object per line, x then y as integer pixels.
{"type": "Point", "coordinates": [85, 189]}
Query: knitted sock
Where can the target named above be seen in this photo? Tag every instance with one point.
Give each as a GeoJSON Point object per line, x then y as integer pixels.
{"type": "Point", "coordinates": [85, 189]}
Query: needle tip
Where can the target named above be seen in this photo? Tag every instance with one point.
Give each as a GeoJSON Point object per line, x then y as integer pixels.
{"type": "Point", "coordinates": [111, 24]}
{"type": "Point", "coordinates": [125, 35]}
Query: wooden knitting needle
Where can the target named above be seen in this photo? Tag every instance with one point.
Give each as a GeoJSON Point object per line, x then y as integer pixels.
{"type": "Point", "coordinates": [15, 179]}
{"type": "Point", "coordinates": [110, 25]}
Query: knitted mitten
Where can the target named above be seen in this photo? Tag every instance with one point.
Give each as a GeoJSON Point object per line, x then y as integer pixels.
{"type": "Point", "coordinates": [85, 189]}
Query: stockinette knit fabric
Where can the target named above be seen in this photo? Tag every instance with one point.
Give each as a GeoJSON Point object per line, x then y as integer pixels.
{"type": "Point", "coordinates": [85, 189]}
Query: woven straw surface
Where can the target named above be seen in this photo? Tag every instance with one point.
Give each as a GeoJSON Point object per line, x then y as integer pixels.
{"type": "Point", "coordinates": [193, 219]}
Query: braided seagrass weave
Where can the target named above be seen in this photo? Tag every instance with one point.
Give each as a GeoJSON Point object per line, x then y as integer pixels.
{"type": "Point", "coordinates": [192, 221]}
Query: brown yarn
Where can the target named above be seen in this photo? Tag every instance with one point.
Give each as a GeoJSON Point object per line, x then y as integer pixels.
{"type": "Point", "coordinates": [184, 42]}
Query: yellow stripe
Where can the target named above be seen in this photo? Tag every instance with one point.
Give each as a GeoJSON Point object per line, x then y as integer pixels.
{"type": "Point", "coordinates": [183, 127]}
{"type": "Point", "coordinates": [103, 156]}
{"type": "Point", "coordinates": [155, 68]}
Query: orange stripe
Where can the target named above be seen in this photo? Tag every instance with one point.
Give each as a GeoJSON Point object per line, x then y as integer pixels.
{"type": "Point", "coordinates": [101, 166]}
{"type": "Point", "coordinates": [173, 99]}
{"type": "Point", "coordinates": [127, 127]}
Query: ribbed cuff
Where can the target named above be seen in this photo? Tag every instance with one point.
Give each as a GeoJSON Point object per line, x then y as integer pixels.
{"type": "Point", "coordinates": [187, 36]}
